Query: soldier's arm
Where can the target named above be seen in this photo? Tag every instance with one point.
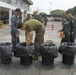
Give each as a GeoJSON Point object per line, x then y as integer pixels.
{"type": "Point", "coordinates": [17, 33]}
{"type": "Point", "coordinates": [29, 37]}
{"type": "Point", "coordinates": [73, 26]}
{"type": "Point", "coordinates": [13, 22]}
{"type": "Point", "coordinates": [14, 29]}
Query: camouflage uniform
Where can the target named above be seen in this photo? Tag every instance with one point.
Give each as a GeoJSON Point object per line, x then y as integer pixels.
{"type": "Point", "coordinates": [39, 39]}
{"type": "Point", "coordinates": [39, 18]}
{"type": "Point", "coordinates": [37, 26]}
{"type": "Point", "coordinates": [66, 32]}
{"type": "Point", "coordinates": [71, 21]}
{"type": "Point", "coordinates": [45, 20]}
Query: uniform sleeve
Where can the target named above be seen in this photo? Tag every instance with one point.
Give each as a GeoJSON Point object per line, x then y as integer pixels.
{"type": "Point", "coordinates": [13, 22]}
{"type": "Point", "coordinates": [63, 28]}
{"type": "Point", "coordinates": [17, 32]}
{"type": "Point", "coordinates": [73, 25]}
{"type": "Point", "coordinates": [14, 30]}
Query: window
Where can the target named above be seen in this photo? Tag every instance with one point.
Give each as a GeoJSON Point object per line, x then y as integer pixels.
{"type": "Point", "coordinates": [3, 0]}
{"type": "Point", "coordinates": [9, 1]}
{"type": "Point", "coordinates": [21, 2]}
{"type": "Point", "coordinates": [15, 1]}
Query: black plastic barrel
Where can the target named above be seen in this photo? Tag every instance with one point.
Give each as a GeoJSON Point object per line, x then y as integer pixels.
{"type": "Point", "coordinates": [68, 59]}
{"type": "Point", "coordinates": [6, 61]}
{"type": "Point", "coordinates": [26, 60]}
{"type": "Point", "coordinates": [47, 61]}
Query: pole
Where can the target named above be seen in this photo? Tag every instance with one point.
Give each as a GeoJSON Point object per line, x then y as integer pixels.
{"type": "Point", "coordinates": [0, 13]}
{"type": "Point", "coordinates": [10, 15]}
{"type": "Point", "coordinates": [50, 6]}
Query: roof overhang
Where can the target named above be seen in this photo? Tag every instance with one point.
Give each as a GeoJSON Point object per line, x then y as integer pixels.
{"type": "Point", "coordinates": [5, 5]}
{"type": "Point", "coordinates": [29, 2]}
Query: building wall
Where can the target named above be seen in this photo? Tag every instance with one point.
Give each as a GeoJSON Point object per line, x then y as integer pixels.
{"type": "Point", "coordinates": [17, 3]}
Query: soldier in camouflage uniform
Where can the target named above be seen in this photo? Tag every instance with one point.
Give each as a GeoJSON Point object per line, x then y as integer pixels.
{"type": "Point", "coordinates": [71, 21]}
{"type": "Point", "coordinates": [39, 18]}
{"type": "Point", "coordinates": [27, 18]}
{"type": "Point", "coordinates": [66, 31]}
{"type": "Point", "coordinates": [45, 20]}
{"type": "Point", "coordinates": [30, 26]}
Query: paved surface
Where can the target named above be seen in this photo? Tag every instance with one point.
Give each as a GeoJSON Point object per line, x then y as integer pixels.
{"type": "Point", "coordinates": [15, 68]}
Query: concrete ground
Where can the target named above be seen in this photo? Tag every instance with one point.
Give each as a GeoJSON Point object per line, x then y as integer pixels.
{"type": "Point", "coordinates": [15, 68]}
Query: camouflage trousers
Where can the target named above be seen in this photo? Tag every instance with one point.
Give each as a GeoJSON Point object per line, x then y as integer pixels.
{"type": "Point", "coordinates": [14, 42]}
{"type": "Point", "coordinates": [72, 37]}
{"type": "Point", "coordinates": [66, 39]}
{"type": "Point", "coordinates": [39, 39]}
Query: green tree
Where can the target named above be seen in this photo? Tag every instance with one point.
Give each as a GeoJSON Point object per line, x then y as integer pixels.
{"type": "Point", "coordinates": [57, 12]}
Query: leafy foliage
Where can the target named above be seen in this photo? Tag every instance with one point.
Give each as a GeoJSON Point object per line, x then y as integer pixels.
{"type": "Point", "coordinates": [57, 12]}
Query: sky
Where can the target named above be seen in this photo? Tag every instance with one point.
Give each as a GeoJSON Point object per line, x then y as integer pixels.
{"type": "Point", "coordinates": [48, 5]}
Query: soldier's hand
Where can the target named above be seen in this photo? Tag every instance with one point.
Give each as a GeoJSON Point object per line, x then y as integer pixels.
{"type": "Point", "coordinates": [17, 36]}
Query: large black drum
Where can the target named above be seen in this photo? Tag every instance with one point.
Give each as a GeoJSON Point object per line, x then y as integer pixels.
{"type": "Point", "coordinates": [6, 52]}
{"type": "Point", "coordinates": [49, 52]}
{"type": "Point", "coordinates": [68, 51]}
{"type": "Point", "coordinates": [25, 53]}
